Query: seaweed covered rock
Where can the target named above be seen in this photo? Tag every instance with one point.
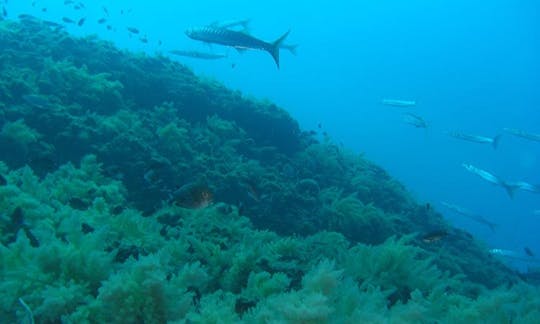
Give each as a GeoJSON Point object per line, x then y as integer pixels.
{"type": "Point", "coordinates": [140, 192]}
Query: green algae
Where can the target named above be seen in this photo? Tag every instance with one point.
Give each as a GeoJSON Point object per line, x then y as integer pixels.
{"type": "Point", "coordinates": [300, 231]}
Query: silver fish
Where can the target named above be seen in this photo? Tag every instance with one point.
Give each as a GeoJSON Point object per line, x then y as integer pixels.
{"type": "Point", "coordinates": [197, 54]}
{"type": "Point", "coordinates": [483, 174]}
{"type": "Point", "coordinates": [522, 185]}
{"type": "Point", "coordinates": [464, 212]}
{"type": "Point", "coordinates": [512, 255]}
{"type": "Point", "coordinates": [494, 141]}
{"type": "Point", "coordinates": [509, 187]}
{"type": "Point", "coordinates": [37, 101]}
{"type": "Point", "coordinates": [523, 134]}
{"type": "Point", "coordinates": [236, 39]}
{"type": "Point", "coordinates": [398, 103]}
{"type": "Point", "coordinates": [415, 120]}
{"type": "Point", "coordinates": [244, 23]}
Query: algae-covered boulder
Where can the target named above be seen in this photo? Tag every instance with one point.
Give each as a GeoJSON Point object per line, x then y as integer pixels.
{"type": "Point", "coordinates": [132, 190]}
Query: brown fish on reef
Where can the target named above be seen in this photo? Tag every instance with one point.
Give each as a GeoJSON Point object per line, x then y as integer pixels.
{"type": "Point", "coordinates": [434, 236]}
{"type": "Point", "coordinates": [192, 195]}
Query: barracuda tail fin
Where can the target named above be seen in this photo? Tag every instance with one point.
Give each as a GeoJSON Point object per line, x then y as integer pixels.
{"type": "Point", "coordinates": [510, 188]}
{"type": "Point", "coordinates": [274, 49]}
{"type": "Point", "coordinates": [492, 226]}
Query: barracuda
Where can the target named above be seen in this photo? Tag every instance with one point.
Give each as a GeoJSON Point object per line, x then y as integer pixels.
{"type": "Point", "coordinates": [236, 39]}
{"type": "Point", "coordinates": [494, 141]}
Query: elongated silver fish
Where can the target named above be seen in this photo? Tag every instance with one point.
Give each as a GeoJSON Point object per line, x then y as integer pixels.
{"type": "Point", "coordinates": [415, 120]}
{"type": "Point", "coordinates": [197, 54]}
{"type": "Point", "coordinates": [513, 255]}
{"type": "Point", "coordinates": [236, 39]}
{"type": "Point", "coordinates": [464, 212]}
{"type": "Point", "coordinates": [483, 174]}
{"type": "Point", "coordinates": [508, 186]}
{"type": "Point", "coordinates": [244, 23]}
{"type": "Point", "coordinates": [525, 186]}
{"type": "Point", "coordinates": [398, 103]}
{"type": "Point", "coordinates": [494, 141]}
{"type": "Point", "coordinates": [523, 134]}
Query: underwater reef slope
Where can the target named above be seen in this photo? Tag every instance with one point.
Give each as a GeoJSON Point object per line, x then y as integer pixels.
{"type": "Point", "coordinates": [133, 191]}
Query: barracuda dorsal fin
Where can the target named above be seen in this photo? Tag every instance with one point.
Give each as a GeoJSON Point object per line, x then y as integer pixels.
{"type": "Point", "coordinates": [274, 49]}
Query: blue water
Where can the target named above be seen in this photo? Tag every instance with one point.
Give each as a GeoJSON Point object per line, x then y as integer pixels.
{"type": "Point", "coordinates": [471, 66]}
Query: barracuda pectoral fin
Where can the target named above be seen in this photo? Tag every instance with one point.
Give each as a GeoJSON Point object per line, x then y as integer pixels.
{"type": "Point", "coordinates": [274, 49]}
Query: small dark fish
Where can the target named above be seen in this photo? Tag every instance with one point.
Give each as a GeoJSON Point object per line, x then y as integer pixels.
{"type": "Point", "coordinates": [68, 20]}
{"type": "Point", "coordinates": [236, 39]}
{"type": "Point", "coordinates": [144, 39]}
{"type": "Point", "coordinates": [434, 236]}
{"type": "Point", "coordinates": [27, 17]}
{"type": "Point", "coordinates": [78, 203]}
{"type": "Point", "coordinates": [81, 22]}
{"type": "Point", "coordinates": [117, 210]}
{"type": "Point", "coordinates": [86, 228]}
{"type": "Point", "coordinates": [4, 11]}
{"type": "Point", "coordinates": [33, 3]}
{"type": "Point", "coordinates": [105, 11]}
{"type": "Point", "coordinates": [17, 217]}
{"type": "Point", "coordinates": [77, 7]}
{"type": "Point", "coordinates": [43, 163]}
{"type": "Point", "coordinates": [68, 2]}
{"type": "Point", "coordinates": [252, 192]}
{"type": "Point", "coordinates": [53, 24]}
{"type": "Point", "coordinates": [133, 30]}
{"type": "Point", "coordinates": [101, 21]}
{"type": "Point", "coordinates": [3, 180]}
{"type": "Point", "coordinates": [528, 251]}
{"type": "Point", "coordinates": [109, 27]}
{"type": "Point", "coordinates": [43, 9]}
{"type": "Point", "coordinates": [33, 240]}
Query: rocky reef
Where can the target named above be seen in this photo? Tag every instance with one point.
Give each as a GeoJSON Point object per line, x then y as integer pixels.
{"type": "Point", "coordinates": [134, 191]}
